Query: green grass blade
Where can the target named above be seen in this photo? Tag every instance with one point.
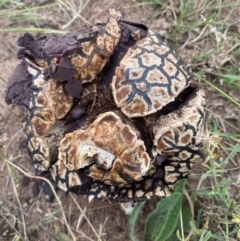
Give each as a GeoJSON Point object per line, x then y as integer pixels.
{"type": "Point", "coordinates": [207, 236]}
{"type": "Point", "coordinates": [3, 80]}
{"type": "Point", "coordinates": [16, 238]}
{"type": "Point", "coordinates": [12, 12]}
{"type": "Point", "coordinates": [60, 236]}
{"type": "Point", "coordinates": [32, 30]}
{"type": "Point", "coordinates": [219, 90]}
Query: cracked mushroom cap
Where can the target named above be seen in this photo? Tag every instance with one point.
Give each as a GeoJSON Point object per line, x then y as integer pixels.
{"type": "Point", "coordinates": [48, 103]}
{"type": "Point", "coordinates": [149, 77]}
{"type": "Point", "coordinates": [110, 149]}
{"type": "Point", "coordinates": [96, 48]}
{"type": "Point", "coordinates": [178, 136]}
{"type": "Point", "coordinates": [48, 100]}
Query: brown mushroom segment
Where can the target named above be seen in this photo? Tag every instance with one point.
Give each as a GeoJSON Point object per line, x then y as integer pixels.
{"type": "Point", "coordinates": [109, 147]}
{"type": "Point", "coordinates": [149, 76]}
{"type": "Point", "coordinates": [49, 102]}
{"type": "Point", "coordinates": [96, 47]}
{"type": "Point", "coordinates": [132, 162]}
{"type": "Point", "coordinates": [178, 136]}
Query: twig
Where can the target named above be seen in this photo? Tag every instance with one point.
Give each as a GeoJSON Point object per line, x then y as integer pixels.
{"type": "Point", "coordinates": [93, 229]}
{"type": "Point", "coordinates": [53, 190]}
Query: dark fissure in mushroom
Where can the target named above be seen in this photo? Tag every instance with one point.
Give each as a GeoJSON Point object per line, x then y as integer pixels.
{"type": "Point", "coordinates": [185, 95]}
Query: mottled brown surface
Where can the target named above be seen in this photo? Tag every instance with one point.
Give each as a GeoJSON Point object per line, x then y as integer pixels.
{"type": "Point", "coordinates": [110, 150]}
{"type": "Point", "coordinates": [117, 140]}
{"type": "Point", "coordinates": [150, 76]}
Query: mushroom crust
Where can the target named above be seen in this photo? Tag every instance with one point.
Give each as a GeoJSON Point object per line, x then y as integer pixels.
{"type": "Point", "coordinates": [110, 111]}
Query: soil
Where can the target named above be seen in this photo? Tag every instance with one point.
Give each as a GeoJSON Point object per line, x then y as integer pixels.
{"type": "Point", "coordinates": [43, 217]}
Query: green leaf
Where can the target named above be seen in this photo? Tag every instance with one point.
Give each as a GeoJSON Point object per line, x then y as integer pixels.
{"type": "Point", "coordinates": [133, 219]}
{"type": "Point", "coordinates": [186, 214]}
{"type": "Point", "coordinates": [180, 186]}
{"type": "Point", "coordinates": [162, 221]}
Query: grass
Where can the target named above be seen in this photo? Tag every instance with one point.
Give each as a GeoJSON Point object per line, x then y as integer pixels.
{"type": "Point", "coordinates": [40, 15]}
{"type": "Point", "coordinates": [204, 32]}
{"type": "Point", "coordinates": [59, 235]}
